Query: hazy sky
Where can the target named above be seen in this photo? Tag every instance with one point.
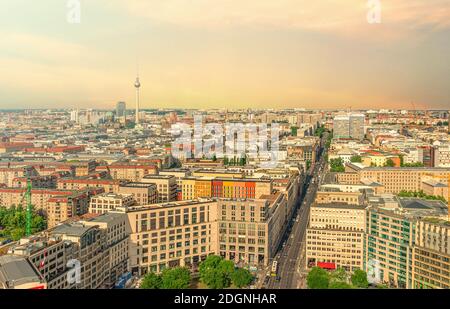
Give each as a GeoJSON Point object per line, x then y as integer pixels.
{"type": "Point", "coordinates": [225, 53]}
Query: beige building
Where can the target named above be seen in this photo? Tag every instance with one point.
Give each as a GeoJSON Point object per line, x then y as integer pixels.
{"type": "Point", "coordinates": [393, 179]}
{"type": "Point", "coordinates": [170, 234]}
{"type": "Point", "coordinates": [130, 172]}
{"type": "Point", "coordinates": [335, 235]}
{"type": "Point", "coordinates": [61, 208]}
{"type": "Point", "coordinates": [436, 188]}
{"type": "Point", "coordinates": [143, 193]}
{"type": "Point", "coordinates": [431, 254]}
{"type": "Point", "coordinates": [8, 174]}
{"type": "Point", "coordinates": [184, 233]}
{"type": "Point", "coordinates": [98, 245]}
{"type": "Point", "coordinates": [106, 202]}
{"type": "Point", "coordinates": [109, 185]}
{"type": "Point", "coordinates": [166, 186]}
{"type": "Point", "coordinates": [327, 197]}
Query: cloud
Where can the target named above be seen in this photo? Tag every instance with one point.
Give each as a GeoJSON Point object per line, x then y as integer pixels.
{"type": "Point", "coordinates": [320, 15]}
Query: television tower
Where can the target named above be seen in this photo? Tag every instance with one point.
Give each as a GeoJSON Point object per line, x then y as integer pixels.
{"type": "Point", "coordinates": [137, 85]}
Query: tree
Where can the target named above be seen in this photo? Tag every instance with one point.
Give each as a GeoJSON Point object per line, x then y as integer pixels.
{"type": "Point", "coordinates": [13, 221]}
{"type": "Point", "coordinates": [176, 278]}
{"type": "Point", "coordinates": [318, 278]}
{"type": "Point", "coordinates": [337, 165]}
{"type": "Point", "coordinates": [211, 262]}
{"type": "Point", "coordinates": [339, 285]}
{"type": "Point", "coordinates": [151, 281]}
{"type": "Point", "coordinates": [339, 275]}
{"type": "Point", "coordinates": [390, 163]}
{"type": "Point", "coordinates": [359, 279]}
{"type": "Point", "coordinates": [241, 277]}
{"type": "Point", "coordinates": [215, 279]}
{"type": "Point", "coordinates": [356, 159]}
{"type": "Point", "coordinates": [294, 131]}
{"type": "Point", "coordinates": [308, 164]}
{"type": "Point", "coordinates": [227, 267]}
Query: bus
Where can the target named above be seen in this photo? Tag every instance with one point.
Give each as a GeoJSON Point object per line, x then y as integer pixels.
{"type": "Point", "coordinates": [274, 268]}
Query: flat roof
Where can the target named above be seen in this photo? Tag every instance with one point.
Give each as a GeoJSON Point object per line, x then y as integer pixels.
{"type": "Point", "coordinates": [71, 229]}
{"type": "Point", "coordinates": [17, 270]}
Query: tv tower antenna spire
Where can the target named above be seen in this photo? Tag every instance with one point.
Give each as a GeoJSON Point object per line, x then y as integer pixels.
{"type": "Point", "coordinates": [137, 85]}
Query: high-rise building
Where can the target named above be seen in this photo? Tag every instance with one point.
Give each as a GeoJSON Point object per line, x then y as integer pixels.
{"type": "Point", "coordinates": [349, 126]}
{"type": "Point", "coordinates": [121, 109]}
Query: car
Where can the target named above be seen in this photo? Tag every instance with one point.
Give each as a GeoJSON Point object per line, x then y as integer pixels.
{"type": "Point", "coordinates": [277, 278]}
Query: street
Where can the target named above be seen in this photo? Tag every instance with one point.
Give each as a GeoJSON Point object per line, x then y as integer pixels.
{"type": "Point", "coordinates": [291, 256]}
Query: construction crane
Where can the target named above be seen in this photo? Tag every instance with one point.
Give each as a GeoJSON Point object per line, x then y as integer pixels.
{"type": "Point", "coordinates": [29, 210]}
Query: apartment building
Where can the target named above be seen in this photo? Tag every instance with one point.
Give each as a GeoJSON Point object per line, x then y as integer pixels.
{"type": "Point", "coordinates": [178, 173]}
{"type": "Point", "coordinates": [8, 174]}
{"type": "Point", "coordinates": [431, 254]}
{"type": "Point", "coordinates": [193, 187]}
{"type": "Point", "coordinates": [166, 186]}
{"type": "Point", "coordinates": [218, 173]}
{"type": "Point", "coordinates": [328, 197]}
{"type": "Point", "coordinates": [116, 244]}
{"type": "Point", "coordinates": [349, 126]}
{"type": "Point", "coordinates": [442, 155]}
{"type": "Point", "coordinates": [98, 245]}
{"type": "Point", "coordinates": [335, 235]}
{"type": "Point", "coordinates": [393, 179]}
{"type": "Point", "coordinates": [391, 235]}
{"type": "Point", "coordinates": [170, 234]}
{"type": "Point", "coordinates": [130, 172]}
{"type": "Point", "coordinates": [61, 208]}
{"type": "Point", "coordinates": [184, 233]}
{"type": "Point", "coordinates": [48, 182]}
{"type": "Point", "coordinates": [39, 197]}
{"type": "Point", "coordinates": [143, 193]}
{"type": "Point", "coordinates": [243, 230]}
{"type": "Point", "coordinates": [106, 202]}
{"type": "Point", "coordinates": [109, 185]}
{"type": "Point", "coordinates": [436, 187]}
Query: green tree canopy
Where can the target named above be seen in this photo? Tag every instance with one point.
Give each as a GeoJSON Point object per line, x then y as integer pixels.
{"type": "Point", "coordinates": [339, 285]}
{"type": "Point", "coordinates": [390, 163]}
{"type": "Point", "coordinates": [359, 279]}
{"type": "Point", "coordinates": [151, 281]}
{"type": "Point", "coordinates": [317, 278]}
{"type": "Point", "coordinates": [241, 277]}
{"type": "Point", "coordinates": [13, 222]}
{"type": "Point", "coordinates": [339, 275]}
{"type": "Point", "coordinates": [356, 158]}
{"type": "Point", "coordinates": [337, 165]}
{"type": "Point", "coordinates": [176, 278]}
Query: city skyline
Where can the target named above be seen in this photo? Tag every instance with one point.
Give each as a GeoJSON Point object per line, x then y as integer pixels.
{"type": "Point", "coordinates": [260, 54]}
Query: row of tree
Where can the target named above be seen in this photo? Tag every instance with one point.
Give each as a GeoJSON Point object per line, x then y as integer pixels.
{"type": "Point", "coordinates": [319, 278]}
{"type": "Point", "coordinates": [170, 278]}
{"type": "Point", "coordinates": [215, 272]}
{"type": "Point", "coordinates": [218, 273]}
{"type": "Point", "coordinates": [234, 161]}
{"type": "Point", "coordinates": [13, 222]}
{"type": "Point", "coordinates": [337, 165]}
{"type": "Point", "coordinates": [421, 194]}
